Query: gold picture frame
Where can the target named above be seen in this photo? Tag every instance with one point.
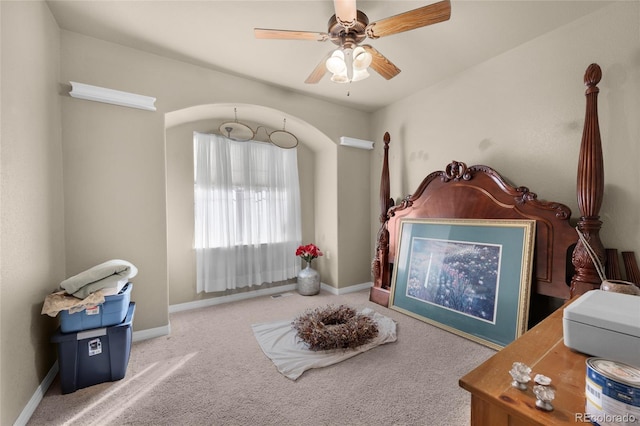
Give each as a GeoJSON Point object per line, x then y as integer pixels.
{"type": "Point", "coordinates": [471, 277]}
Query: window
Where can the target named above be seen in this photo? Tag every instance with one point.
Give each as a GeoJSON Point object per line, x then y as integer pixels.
{"type": "Point", "coordinates": [247, 210]}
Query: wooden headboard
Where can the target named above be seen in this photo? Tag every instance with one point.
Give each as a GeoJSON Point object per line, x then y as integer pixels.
{"type": "Point", "coordinates": [562, 266]}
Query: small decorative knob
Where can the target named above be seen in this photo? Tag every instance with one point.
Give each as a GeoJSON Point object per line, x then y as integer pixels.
{"type": "Point", "coordinates": [520, 374]}
{"type": "Point", "coordinates": [542, 380]}
{"type": "Point", "coordinates": [544, 395]}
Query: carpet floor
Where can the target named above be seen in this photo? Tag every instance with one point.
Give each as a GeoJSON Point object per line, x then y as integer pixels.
{"type": "Point", "coordinates": [211, 371]}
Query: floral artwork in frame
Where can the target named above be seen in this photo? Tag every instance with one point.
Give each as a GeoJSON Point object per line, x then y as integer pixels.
{"type": "Point", "coordinates": [471, 277]}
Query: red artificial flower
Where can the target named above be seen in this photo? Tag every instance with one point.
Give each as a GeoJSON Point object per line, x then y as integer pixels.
{"type": "Point", "coordinates": [308, 252]}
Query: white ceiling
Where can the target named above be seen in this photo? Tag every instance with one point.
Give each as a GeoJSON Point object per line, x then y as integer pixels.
{"type": "Point", "coordinates": [219, 35]}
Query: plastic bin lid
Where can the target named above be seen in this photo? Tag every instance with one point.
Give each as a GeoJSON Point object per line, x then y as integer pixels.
{"type": "Point", "coordinates": [608, 310]}
{"type": "Point", "coordinates": [85, 334]}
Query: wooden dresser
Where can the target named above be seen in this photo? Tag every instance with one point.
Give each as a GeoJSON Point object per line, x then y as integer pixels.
{"type": "Point", "coordinates": [494, 402]}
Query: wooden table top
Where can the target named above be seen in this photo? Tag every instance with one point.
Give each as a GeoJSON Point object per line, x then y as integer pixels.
{"type": "Point", "coordinates": [541, 348]}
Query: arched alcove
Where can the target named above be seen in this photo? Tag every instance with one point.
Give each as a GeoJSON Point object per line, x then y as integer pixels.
{"type": "Point", "coordinates": [317, 164]}
{"type": "Point", "coordinates": [269, 117]}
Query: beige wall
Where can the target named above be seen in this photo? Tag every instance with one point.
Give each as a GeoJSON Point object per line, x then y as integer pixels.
{"type": "Point", "coordinates": [32, 261]}
{"type": "Point", "coordinates": [352, 195]}
{"type": "Point", "coordinates": [522, 113]}
{"type": "Point", "coordinates": [115, 179]}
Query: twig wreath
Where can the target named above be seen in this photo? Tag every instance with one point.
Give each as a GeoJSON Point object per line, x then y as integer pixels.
{"type": "Point", "coordinates": [334, 328]}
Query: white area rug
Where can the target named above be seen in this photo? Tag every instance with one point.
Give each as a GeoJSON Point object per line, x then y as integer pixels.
{"type": "Point", "coordinates": [291, 356]}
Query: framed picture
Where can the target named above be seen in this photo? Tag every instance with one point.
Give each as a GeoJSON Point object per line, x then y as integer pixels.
{"type": "Point", "coordinates": [470, 277]}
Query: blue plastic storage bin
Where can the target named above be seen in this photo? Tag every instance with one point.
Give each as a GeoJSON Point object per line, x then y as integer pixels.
{"type": "Point", "coordinates": [111, 312]}
{"type": "Point", "coordinates": [94, 356]}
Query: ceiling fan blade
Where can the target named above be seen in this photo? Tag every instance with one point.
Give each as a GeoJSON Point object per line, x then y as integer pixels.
{"type": "Point", "coordinates": [289, 34]}
{"type": "Point", "coordinates": [346, 12]}
{"type": "Point", "coordinates": [416, 18]}
{"type": "Point", "coordinates": [381, 64]}
{"type": "Point", "coordinates": [319, 71]}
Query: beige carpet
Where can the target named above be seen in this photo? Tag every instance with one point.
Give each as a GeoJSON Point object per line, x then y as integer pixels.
{"type": "Point", "coordinates": [211, 371]}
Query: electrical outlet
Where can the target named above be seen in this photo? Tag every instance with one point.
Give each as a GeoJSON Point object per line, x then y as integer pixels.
{"type": "Point", "coordinates": [327, 254]}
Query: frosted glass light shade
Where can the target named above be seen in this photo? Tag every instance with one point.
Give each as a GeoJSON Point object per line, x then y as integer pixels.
{"type": "Point", "coordinates": [361, 59]}
{"type": "Point", "coordinates": [360, 75]}
{"type": "Point", "coordinates": [111, 96]}
{"type": "Point", "coordinates": [335, 63]}
{"type": "Point", "coordinates": [340, 78]}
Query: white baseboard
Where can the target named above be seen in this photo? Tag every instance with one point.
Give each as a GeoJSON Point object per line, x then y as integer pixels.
{"type": "Point", "coordinates": [231, 298]}
{"type": "Point", "coordinates": [151, 333]}
{"type": "Point", "coordinates": [346, 290]}
{"type": "Point", "coordinates": [33, 403]}
{"type": "Point", "coordinates": [264, 292]}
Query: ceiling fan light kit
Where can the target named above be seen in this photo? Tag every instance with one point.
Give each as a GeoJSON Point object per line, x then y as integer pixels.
{"type": "Point", "coordinates": [349, 65]}
{"type": "Point", "coordinates": [349, 27]}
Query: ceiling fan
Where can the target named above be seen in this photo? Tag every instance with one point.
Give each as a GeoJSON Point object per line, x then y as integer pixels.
{"type": "Point", "coordinates": [348, 28]}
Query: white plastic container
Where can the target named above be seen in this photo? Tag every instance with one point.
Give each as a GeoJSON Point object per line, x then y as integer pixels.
{"type": "Point", "coordinates": [604, 324]}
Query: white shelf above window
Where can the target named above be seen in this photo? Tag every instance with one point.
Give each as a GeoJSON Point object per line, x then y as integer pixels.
{"type": "Point", "coordinates": [111, 96]}
{"type": "Point", "coordinates": [356, 143]}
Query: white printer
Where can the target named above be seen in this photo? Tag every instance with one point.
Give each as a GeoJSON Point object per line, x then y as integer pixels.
{"type": "Point", "coordinates": [604, 324]}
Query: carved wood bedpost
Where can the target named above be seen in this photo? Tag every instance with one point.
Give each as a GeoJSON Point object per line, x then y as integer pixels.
{"type": "Point", "coordinates": [590, 191]}
{"type": "Point", "coordinates": [381, 268]}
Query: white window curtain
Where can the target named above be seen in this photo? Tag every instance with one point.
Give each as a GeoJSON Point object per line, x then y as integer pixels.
{"type": "Point", "coordinates": [247, 213]}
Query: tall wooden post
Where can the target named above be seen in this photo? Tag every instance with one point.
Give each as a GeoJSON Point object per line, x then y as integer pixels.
{"type": "Point", "coordinates": [590, 190]}
{"type": "Point", "coordinates": [381, 271]}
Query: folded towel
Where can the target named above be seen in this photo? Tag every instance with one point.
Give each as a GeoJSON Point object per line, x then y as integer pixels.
{"type": "Point", "coordinates": [108, 275]}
